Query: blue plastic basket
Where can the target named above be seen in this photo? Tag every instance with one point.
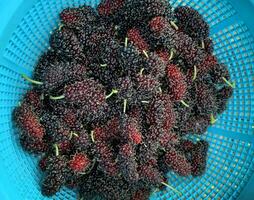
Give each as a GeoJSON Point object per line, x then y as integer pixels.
{"type": "Point", "coordinates": [24, 31]}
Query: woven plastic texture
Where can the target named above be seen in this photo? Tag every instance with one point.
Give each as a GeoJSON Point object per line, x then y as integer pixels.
{"type": "Point", "coordinates": [24, 35]}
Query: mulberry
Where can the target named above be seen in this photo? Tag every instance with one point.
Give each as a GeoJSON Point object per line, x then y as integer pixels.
{"type": "Point", "coordinates": [220, 73]}
{"type": "Point", "coordinates": [127, 163]}
{"type": "Point", "coordinates": [191, 22]}
{"type": "Point", "coordinates": [78, 17]}
{"type": "Point", "coordinates": [79, 162]}
{"type": "Point", "coordinates": [29, 122]}
{"type": "Point", "coordinates": [135, 37]}
{"type": "Point", "coordinates": [196, 125]}
{"type": "Point", "coordinates": [56, 128]}
{"type": "Point", "coordinates": [56, 175]}
{"type": "Point", "coordinates": [198, 163]}
{"type": "Point", "coordinates": [115, 95]}
{"type": "Point", "coordinates": [151, 176]}
{"type": "Point", "coordinates": [161, 112]}
{"type": "Point", "coordinates": [177, 83]}
{"type": "Point", "coordinates": [130, 130]}
{"type": "Point", "coordinates": [34, 99]}
{"type": "Point", "coordinates": [82, 94]}
{"type": "Point", "coordinates": [82, 142]}
{"type": "Point", "coordinates": [33, 145]}
{"type": "Point", "coordinates": [66, 43]}
{"type": "Point", "coordinates": [109, 7]}
{"type": "Point", "coordinates": [178, 162]}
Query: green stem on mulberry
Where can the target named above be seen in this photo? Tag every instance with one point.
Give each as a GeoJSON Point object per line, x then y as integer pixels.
{"type": "Point", "coordinates": [73, 134]}
{"type": "Point", "coordinates": [195, 73]}
{"type": "Point", "coordinates": [185, 104]}
{"type": "Point", "coordinates": [202, 44]}
{"type": "Point", "coordinates": [124, 105]}
{"type": "Point", "coordinates": [144, 144]}
{"type": "Point", "coordinates": [92, 136]}
{"type": "Point", "coordinates": [145, 53]}
{"type": "Point", "coordinates": [116, 27]}
{"type": "Point", "coordinates": [146, 102]}
{"type": "Point", "coordinates": [171, 54]}
{"type": "Point", "coordinates": [213, 120]}
{"type": "Point", "coordinates": [172, 188]}
{"type": "Point", "coordinates": [56, 149]}
{"type": "Point", "coordinates": [31, 80]}
{"type": "Point", "coordinates": [160, 89]}
{"type": "Point", "coordinates": [42, 97]}
{"type": "Point", "coordinates": [126, 42]}
{"type": "Point", "coordinates": [156, 190]}
{"type": "Point", "coordinates": [174, 25]}
{"type": "Point", "coordinates": [141, 71]}
{"type": "Point", "coordinates": [114, 91]}
{"type": "Point", "coordinates": [57, 98]}
{"type": "Point", "coordinates": [103, 65]}
{"type": "Point", "coordinates": [60, 26]}
{"type": "Point", "coordinates": [228, 82]}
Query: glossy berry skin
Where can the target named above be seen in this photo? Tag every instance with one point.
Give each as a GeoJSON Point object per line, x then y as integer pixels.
{"type": "Point", "coordinates": [82, 142]}
{"type": "Point", "coordinates": [106, 159]}
{"type": "Point", "coordinates": [205, 98]}
{"type": "Point", "coordinates": [104, 153]}
{"type": "Point", "coordinates": [43, 163]}
{"type": "Point", "coordinates": [222, 98]}
{"type": "Point", "coordinates": [197, 125]}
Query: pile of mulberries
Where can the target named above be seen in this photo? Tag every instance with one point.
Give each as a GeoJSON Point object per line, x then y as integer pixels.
{"type": "Point", "coordinates": [115, 96]}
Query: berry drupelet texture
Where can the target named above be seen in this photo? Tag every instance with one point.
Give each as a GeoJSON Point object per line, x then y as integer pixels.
{"type": "Point", "coordinates": [115, 96]}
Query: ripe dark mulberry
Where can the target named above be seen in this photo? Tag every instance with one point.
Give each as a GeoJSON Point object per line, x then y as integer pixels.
{"type": "Point", "coordinates": [66, 43]}
{"type": "Point", "coordinates": [78, 17]}
{"type": "Point", "coordinates": [191, 22]}
{"type": "Point", "coordinates": [178, 162]}
{"type": "Point", "coordinates": [56, 175]}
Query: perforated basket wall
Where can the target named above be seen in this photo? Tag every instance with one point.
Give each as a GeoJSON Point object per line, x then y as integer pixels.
{"type": "Point", "coordinates": [24, 33]}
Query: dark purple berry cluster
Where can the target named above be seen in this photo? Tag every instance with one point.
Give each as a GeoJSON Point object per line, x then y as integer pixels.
{"type": "Point", "coordinates": [115, 95]}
